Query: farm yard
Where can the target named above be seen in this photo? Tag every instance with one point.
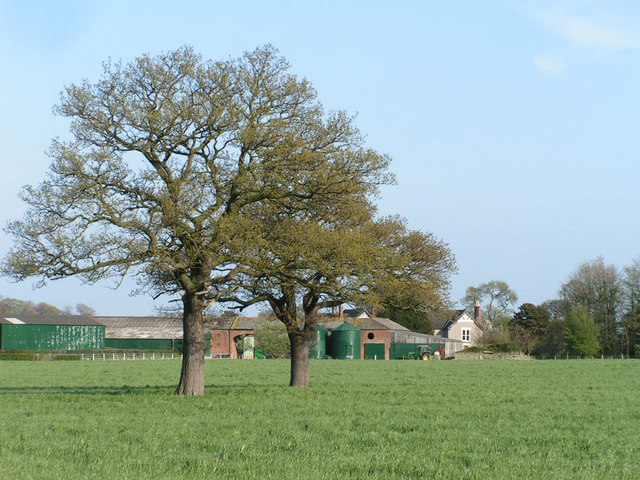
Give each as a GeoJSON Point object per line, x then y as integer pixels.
{"type": "Point", "coordinates": [575, 419]}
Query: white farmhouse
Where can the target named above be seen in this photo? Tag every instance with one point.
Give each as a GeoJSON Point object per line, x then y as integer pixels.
{"type": "Point", "coordinates": [460, 325]}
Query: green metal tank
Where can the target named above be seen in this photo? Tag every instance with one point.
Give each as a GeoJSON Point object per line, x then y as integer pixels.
{"type": "Point", "coordinates": [319, 343]}
{"type": "Point", "coordinates": [345, 342]}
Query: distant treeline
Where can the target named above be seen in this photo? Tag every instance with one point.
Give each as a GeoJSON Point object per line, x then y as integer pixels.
{"type": "Point", "coordinates": [597, 312]}
{"type": "Point", "coordinates": [14, 306]}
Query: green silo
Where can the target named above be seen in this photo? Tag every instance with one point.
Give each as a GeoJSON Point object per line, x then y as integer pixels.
{"type": "Point", "coordinates": [345, 342]}
{"type": "Point", "coordinates": [319, 343]}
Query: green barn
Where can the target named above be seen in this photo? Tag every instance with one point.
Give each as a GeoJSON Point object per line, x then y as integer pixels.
{"type": "Point", "coordinates": [51, 332]}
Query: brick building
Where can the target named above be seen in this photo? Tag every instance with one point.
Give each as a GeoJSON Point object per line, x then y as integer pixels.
{"type": "Point", "coordinates": [376, 335]}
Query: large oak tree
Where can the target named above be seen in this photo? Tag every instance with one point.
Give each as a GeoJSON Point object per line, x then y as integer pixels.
{"type": "Point", "coordinates": [597, 286]}
{"type": "Point", "coordinates": [303, 263]}
{"type": "Point", "coordinates": [166, 155]}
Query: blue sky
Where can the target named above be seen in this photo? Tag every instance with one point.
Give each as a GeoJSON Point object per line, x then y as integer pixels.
{"type": "Point", "coordinates": [513, 126]}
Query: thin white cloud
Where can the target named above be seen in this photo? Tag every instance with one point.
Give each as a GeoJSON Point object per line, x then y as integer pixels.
{"type": "Point", "coordinates": [586, 33]}
{"type": "Point", "coordinates": [549, 63]}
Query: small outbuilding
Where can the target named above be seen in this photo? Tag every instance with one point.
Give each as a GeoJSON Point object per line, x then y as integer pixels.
{"type": "Point", "coordinates": [51, 332]}
{"type": "Point", "coordinates": [226, 334]}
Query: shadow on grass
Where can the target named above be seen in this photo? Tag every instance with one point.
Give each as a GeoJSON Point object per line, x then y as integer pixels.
{"type": "Point", "coordinates": [123, 390]}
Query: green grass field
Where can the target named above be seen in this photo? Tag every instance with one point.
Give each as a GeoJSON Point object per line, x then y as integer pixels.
{"type": "Point", "coordinates": [359, 419]}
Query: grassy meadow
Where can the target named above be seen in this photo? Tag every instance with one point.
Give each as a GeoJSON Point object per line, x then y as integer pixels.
{"type": "Point", "coordinates": [576, 419]}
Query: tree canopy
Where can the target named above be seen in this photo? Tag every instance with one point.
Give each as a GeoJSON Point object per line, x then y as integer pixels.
{"type": "Point", "coordinates": [630, 321]}
{"type": "Point", "coordinates": [597, 287]}
{"type": "Point", "coordinates": [413, 320]}
{"type": "Point", "coordinates": [272, 338]}
{"type": "Point", "coordinates": [167, 155]}
{"type": "Point", "coordinates": [300, 264]}
{"type": "Point", "coordinates": [532, 318]}
{"type": "Point", "coordinates": [529, 325]}
{"type": "Point", "coordinates": [15, 306]}
{"type": "Point", "coordinates": [499, 299]}
{"type": "Point", "coordinates": [581, 332]}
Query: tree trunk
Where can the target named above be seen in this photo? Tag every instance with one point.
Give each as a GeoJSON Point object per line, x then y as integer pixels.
{"type": "Point", "coordinates": [192, 374]}
{"type": "Point", "coordinates": [300, 367]}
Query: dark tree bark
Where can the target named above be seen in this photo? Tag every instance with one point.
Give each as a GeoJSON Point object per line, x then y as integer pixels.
{"type": "Point", "coordinates": [192, 373]}
{"type": "Point", "coordinates": [299, 332]}
{"type": "Point", "coordinates": [300, 366]}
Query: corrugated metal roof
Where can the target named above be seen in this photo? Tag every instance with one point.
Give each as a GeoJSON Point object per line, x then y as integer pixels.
{"type": "Point", "coordinates": [171, 327]}
{"type": "Point", "coordinates": [140, 322]}
{"type": "Point", "coordinates": [142, 327]}
{"type": "Point", "coordinates": [14, 321]}
{"type": "Point", "coordinates": [165, 327]}
{"type": "Point", "coordinates": [49, 320]}
{"type": "Point", "coordinates": [415, 337]}
{"type": "Point", "coordinates": [146, 332]}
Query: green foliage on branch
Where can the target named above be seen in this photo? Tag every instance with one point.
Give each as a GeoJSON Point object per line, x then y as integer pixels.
{"type": "Point", "coordinates": [272, 338]}
{"type": "Point", "coordinates": [498, 301]}
{"type": "Point", "coordinates": [414, 321]}
{"type": "Point", "coordinates": [581, 333]}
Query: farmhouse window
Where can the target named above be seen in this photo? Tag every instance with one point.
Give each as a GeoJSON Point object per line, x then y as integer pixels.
{"type": "Point", "coordinates": [466, 335]}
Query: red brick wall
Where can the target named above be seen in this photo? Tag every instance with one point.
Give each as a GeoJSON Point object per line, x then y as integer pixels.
{"type": "Point", "coordinates": [222, 342]}
{"type": "Point", "coordinates": [379, 336]}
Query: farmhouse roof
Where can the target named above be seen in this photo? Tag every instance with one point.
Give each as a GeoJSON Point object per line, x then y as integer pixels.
{"type": "Point", "coordinates": [444, 320]}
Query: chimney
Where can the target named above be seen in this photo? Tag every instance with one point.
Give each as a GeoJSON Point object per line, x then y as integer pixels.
{"type": "Point", "coordinates": [341, 311]}
{"type": "Point", "coordinates": [374, 312]}
{"type": "Point", "coordinates": [477, 312]}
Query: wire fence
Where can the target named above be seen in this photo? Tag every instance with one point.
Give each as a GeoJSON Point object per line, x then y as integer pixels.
{"type": "Point", "coordinates": [621, 356]}
{"type": "Point", "coordinates": [103, 356]}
